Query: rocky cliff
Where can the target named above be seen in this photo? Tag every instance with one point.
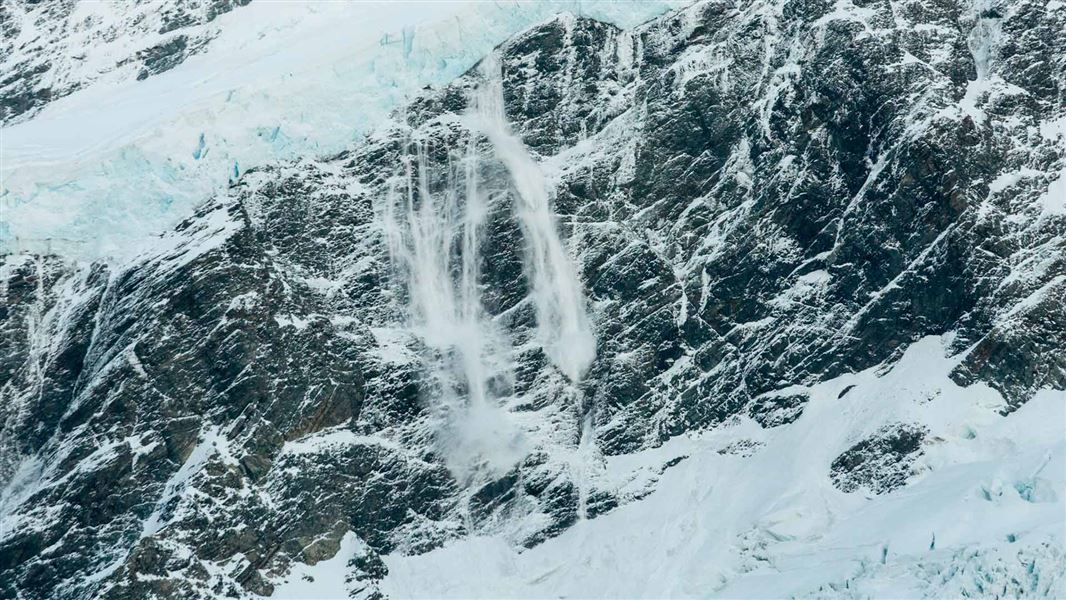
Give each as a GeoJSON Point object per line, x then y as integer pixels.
{"type": "Point", "coordinates": [756, 197]}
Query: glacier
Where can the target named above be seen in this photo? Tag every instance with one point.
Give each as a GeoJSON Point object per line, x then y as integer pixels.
{"type": "Point", "coordinates": [102, 171]}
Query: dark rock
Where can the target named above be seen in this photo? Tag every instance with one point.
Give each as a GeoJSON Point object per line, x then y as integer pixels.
{"type": "Point", "coordinates": [881, 463]}
{"type": "Point", "coordinates": [776, 410]}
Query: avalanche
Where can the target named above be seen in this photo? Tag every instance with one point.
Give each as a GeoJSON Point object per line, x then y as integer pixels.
{"type": "Point", "coordinates": [754, 299]}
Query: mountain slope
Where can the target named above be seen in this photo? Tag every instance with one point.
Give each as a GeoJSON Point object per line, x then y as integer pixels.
{"type": "Point", "coordinates": [52, 49]}
{"type": "Point", "coordinates": [780, 213]}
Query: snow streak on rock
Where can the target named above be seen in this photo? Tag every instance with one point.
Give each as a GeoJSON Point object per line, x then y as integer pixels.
{"type": "Point", "coordinates": [434, 243]}
{"type": "Point", "coordinates": [562, 323]}
{"type": "Point", "coordinates": [434, 232]}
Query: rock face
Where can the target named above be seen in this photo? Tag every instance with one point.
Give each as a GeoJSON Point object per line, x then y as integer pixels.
{"type": "Point", "coordinates": [756, 196]}
{"type": "Point", "coordinates": [881, 463]}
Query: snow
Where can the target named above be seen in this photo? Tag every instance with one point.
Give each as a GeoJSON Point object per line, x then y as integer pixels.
{"type": "Point", "coordinates": [98, 172]}
{"type": "Point", "coordinates": [806, 285]}
{"type": "Point", "coordinates": [392, 345]}
{"type": "Point", "coordinates": [1053, 201]}
{"type": "Point", "coordinates": [324, 441]}
{"type": "Point", "coordinates": [306, 583]}
{"type": "Point", "coordinates": [211, 443]}
{"type": "Point", "coordinates": [294, 321]}
{"type": "Point", "coordinates": [562, 322]}
{"type": "Point", "coordinates": [1011, 178]}
{"type": "Point", "coordinates": [987, 505]}
{"type": "Point", "coordinates": [435, 248]}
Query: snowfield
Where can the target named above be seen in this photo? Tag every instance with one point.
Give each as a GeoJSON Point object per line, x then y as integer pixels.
{"type": "Point", "coordinates": [752, 513]}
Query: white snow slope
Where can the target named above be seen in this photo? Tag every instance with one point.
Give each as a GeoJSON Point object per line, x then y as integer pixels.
{"type": "Point", "coordinates": [752, 513]}
{"type": "Point", "coordinates": [99, 172]}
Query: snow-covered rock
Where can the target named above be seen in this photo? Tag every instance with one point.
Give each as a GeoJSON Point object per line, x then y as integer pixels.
{"type": "Point", "coordinates": [823, 259]}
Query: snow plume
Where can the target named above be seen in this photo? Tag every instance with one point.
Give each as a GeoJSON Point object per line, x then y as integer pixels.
{"type": "Point", "coordinates": [563, 326]}
{"type": "Point", "coordinates": [434, 240]}
{"type": "Point", "coordinates": [434, 233]}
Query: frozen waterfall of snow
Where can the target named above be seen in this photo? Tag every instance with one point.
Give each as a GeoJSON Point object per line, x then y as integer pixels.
{"type": "Point", "coordinates": [434, 232]}
{"type": "Point", "coordinates": [434, 240]}
{"type": "Point", "coordinates": [561, 319]}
